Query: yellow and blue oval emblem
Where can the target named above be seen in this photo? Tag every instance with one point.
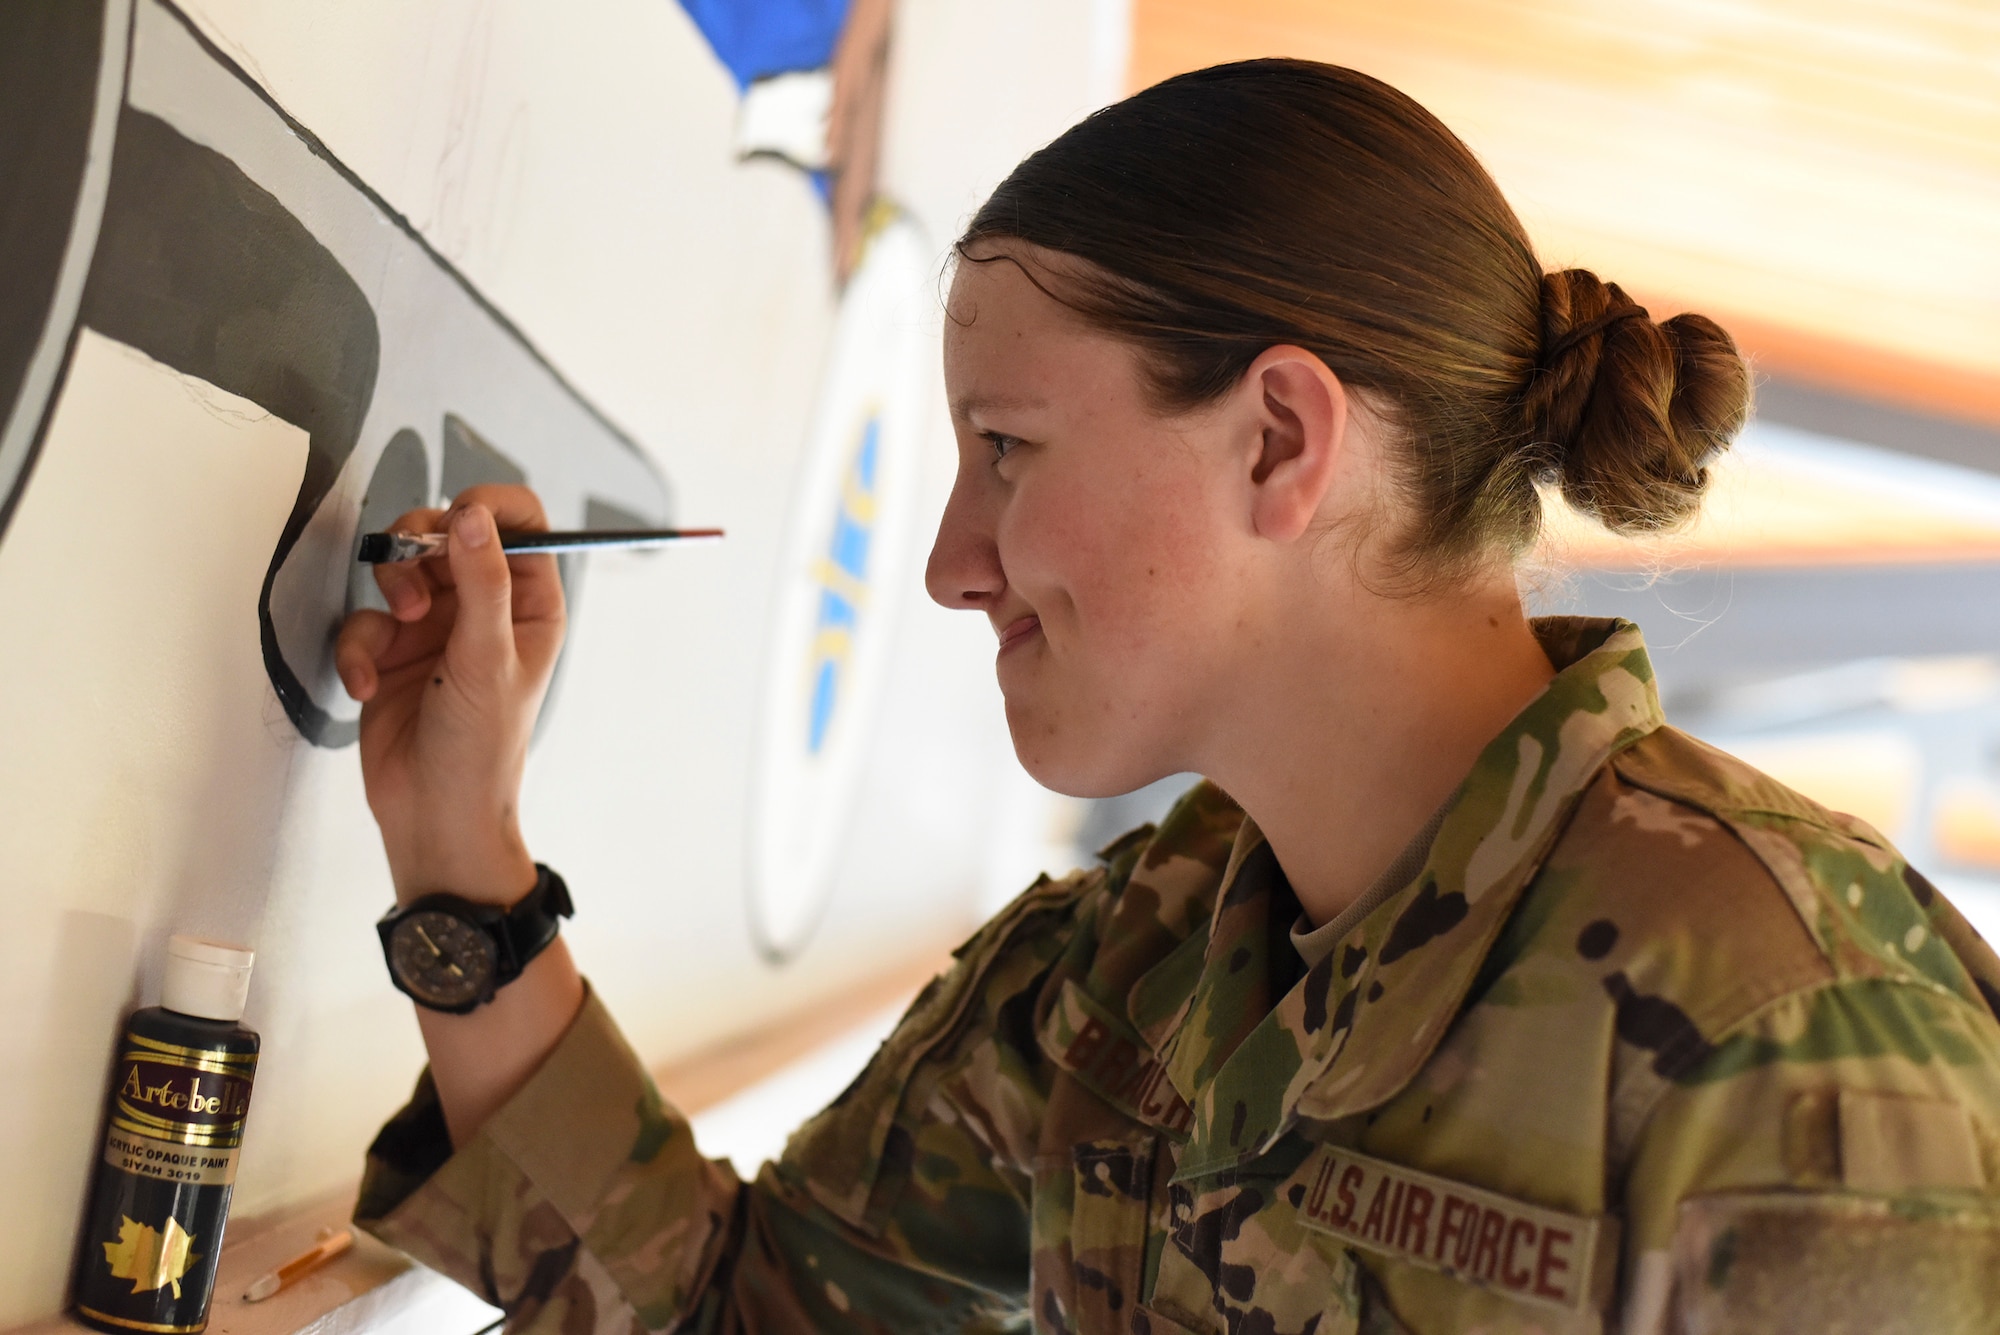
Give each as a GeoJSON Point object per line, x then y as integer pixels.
{"type": "Point", "coordinates": [847, 563]}
{"type": "Point", "coordinates": [843, 576]}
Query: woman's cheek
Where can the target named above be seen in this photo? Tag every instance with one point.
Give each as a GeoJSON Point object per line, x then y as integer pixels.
{"type": "Point", "coordinates": [1109, 557]}
{"type": "Point", "coordinates": [1047, 546]}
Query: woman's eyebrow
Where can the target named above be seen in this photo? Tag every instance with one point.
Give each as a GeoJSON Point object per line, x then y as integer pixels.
{"type": "Point", "coordinates": [963, 407]}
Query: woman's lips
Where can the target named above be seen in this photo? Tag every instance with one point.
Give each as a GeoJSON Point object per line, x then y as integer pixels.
{"type": "Point", "coordinates": [1016, 631]}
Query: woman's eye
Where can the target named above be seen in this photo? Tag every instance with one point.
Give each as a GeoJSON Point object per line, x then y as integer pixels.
{"type": "Point", "coordinates": [1002, 444]}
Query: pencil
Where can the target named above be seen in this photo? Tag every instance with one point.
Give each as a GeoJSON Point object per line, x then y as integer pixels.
{"type": "Point", "coordinates": [332, 1242]}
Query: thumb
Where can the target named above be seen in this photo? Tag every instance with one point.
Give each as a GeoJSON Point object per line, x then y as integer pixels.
{"type": "Point", "coordinates": [482, 635]}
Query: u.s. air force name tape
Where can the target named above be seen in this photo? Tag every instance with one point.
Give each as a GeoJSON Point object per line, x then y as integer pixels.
{"type": "Point", "coordinates": [1470, 1234]}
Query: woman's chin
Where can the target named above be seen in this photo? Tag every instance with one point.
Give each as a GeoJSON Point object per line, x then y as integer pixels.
{"type": "Point", "coordinates": [1061, 766]}
{"type": "Point", "coordinates": [1042, 754]}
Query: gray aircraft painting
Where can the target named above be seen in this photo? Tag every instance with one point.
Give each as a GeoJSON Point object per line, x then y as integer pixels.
{"type": "Point", "coordinates": [155, 195]}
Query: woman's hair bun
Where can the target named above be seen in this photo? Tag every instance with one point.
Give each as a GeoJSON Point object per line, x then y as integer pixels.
{"type": "Point", "coordinates": [1624, 413]}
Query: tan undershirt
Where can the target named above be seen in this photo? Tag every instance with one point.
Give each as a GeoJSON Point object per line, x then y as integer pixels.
{"type": "Point", "coordinates": [1316, 943]}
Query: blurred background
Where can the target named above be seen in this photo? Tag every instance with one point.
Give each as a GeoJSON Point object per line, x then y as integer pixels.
{"type": "Point", "coordinates": [1824, 179]}
{"type": "Point", "coordinates": [713, 232]}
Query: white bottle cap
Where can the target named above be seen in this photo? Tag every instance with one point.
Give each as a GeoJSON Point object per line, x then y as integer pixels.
{"type": "Point", "coordinates": [206, 978]}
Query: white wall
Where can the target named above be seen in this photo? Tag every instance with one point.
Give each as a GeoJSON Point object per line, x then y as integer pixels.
{"type": "Point", "coordinates": [575, 161]}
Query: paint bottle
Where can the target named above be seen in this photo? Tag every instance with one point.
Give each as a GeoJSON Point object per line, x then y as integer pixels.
{"type": "Point", "coordinates": [173, 1129]}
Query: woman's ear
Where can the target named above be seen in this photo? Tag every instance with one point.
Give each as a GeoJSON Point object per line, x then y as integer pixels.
{"type": "Point", "coordinates": [1303, 422]}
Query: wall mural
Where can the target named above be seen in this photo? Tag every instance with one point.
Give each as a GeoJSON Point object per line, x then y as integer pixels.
{"type": "Point", "coordinates": [182, 213]}
{"type": "Point", "coordinates": [179, 212]}
{"type": "Point", "coordinates": [813, 78]}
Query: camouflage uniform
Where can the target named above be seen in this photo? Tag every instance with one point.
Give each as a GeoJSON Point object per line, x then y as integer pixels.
{"type": "Point", "coordinates": [1650, 1043]}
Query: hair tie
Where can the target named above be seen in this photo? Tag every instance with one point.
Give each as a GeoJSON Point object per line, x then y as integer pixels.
{"type": "Point", "coordinates": [1553, 353]}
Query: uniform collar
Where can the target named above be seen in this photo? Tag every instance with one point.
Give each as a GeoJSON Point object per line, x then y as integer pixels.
{"type": "Point", "coordinates": [1250, 1063]}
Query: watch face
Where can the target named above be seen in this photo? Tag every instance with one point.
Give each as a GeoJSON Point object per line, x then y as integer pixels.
{"type": "Point", "coordinates": [442, 959]}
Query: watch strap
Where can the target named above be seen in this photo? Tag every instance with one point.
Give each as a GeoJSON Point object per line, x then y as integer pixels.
{"type": "Point", "coordinates": [527, 929]}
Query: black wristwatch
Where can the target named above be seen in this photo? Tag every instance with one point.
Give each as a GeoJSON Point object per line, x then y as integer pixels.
{"type": "Point", "coordinates": [452, 955]}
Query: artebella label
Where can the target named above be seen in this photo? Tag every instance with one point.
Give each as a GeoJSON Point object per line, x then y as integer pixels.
{"type": "Point", "coordinates": [1477, 1236]}
{"type": "Point", "coordinates": [181, 1095]}
{"type": "Point", "coordinates": [170, 1161]}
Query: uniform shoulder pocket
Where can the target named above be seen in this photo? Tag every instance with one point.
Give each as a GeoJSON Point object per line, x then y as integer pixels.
{"type": "Point", "coordinates": [840, 1154]}
{"type": "Point", "coordinates": [1836, 1261]}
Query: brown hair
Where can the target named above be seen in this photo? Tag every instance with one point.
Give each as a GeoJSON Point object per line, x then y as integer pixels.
{"type": "Point", "coordinates": [1283, 201]}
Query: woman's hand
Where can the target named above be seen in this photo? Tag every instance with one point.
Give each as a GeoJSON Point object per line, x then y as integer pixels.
{"type": "Point", "coordinates": [450, 681]}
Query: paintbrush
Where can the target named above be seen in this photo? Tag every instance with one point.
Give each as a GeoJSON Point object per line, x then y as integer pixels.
{"type": "Point", "coordinates": [385, 548]}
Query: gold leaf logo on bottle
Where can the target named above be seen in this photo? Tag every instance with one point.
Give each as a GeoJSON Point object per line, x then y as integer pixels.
{"type": "Point", "coordinates": [151, 1258]}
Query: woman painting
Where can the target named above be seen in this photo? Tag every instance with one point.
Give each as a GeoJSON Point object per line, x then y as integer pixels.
{"type": "Point", "coordinates": [1464, 995]}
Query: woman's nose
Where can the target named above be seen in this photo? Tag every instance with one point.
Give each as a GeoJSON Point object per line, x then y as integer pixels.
{"type": "Point", "coordinates": [964, 569]}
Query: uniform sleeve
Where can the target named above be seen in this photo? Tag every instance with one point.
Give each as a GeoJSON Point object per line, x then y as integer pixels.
{"type": "Point", "coordinates": [1833, 1163]}
{"type": "Point", "coordinates": [584, 1204]}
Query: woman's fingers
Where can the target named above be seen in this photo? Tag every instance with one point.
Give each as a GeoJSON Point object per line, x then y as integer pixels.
{"type": "Point", "coordinates": [514, 509]}
{"type": "Point", "coordinates": [482, 636]}
{"type": "Point", "coordinates": [537, 583]}
{"type": "Point", "coordinates": [405, 585]}
{"type": "Point", "coordinates": [484, 603]}
{"type": "Point", "coordinates": [364, 639]}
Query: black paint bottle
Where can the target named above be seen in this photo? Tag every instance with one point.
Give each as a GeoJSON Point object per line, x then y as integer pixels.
{"type": "Point", "coordinates": [179, 1094]}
